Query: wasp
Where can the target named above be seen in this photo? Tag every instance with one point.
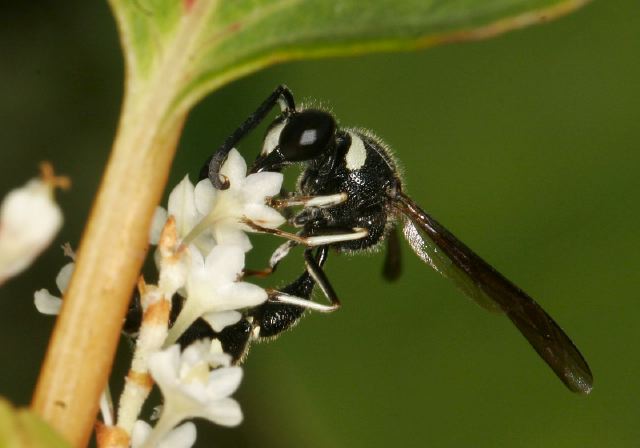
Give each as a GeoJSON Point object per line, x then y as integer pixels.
{"type": "Point", "coordinates": [353, 200]}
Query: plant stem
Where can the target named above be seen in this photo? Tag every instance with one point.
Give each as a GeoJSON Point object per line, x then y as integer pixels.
{"type": "Point", "coordinates": [112, 250]}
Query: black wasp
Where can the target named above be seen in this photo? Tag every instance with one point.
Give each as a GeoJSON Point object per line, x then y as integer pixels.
{"type": "Point", "coordinates": [353, 200]}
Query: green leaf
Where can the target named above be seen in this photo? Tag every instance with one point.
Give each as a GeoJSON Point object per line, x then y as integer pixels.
{"type": "Point", "coordinates": [21, 428]}
{"type": "Point", "coordinates": [199, 45]}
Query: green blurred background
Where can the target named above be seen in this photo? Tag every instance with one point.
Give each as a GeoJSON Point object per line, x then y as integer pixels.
{"type": "Point", "coordinates": [525, 146]}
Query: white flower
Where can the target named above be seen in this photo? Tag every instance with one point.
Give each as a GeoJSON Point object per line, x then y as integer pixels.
{"type": "Point", "coordinates": [47, 303]}
{"type": "Point", "coordinates": [29, 219]}
{"type": "Point", "coordinates": [206, 216]}
{"type": "Point", "coordinates": [192, 390]}
{"type": "Point", "coordinates": [182, 207]}
{"type": "Point", "coordinates": [224, 210]}
{"type": "Point", "coordinates": [183, 436]}
{"type": "Point", "coordinates": [212, 288]}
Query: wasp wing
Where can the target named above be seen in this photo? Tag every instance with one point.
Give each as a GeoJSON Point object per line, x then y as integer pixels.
{"type": "Point", "coordinates": [428, 251]}
{"type": "Point", "coordinates": [436, 246]}
{"type": "Point", "coordinates": [392, 261]}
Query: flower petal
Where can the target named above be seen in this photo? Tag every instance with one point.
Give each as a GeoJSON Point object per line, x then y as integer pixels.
{"type": "Point", "coordinates": [225, 263]}
{"type": "Point", "coordinates": [239, 295]}
{"type": "Point", "coordinates": [263, 215]}
{"type": "Point", "coordinates": [196, 259]}
{"type": "Point", "coordinates": [183, 436]}
{"type": "Point", "coordinates": [216, 348]}
{"type": "Point", "coordinates": [205, 196]}
{"type": "Point", "coordinates": [195, 353]}
{"type": "Point", "coordinates": [64, 276]}
{"type": "Point", "coordinates": [204, 243]}
{"type": "Point", "coordinates": [231, 235]}
{"type": "Point", "coordinates": [223, 382]}
{"type": "Point", "coordinates": [225, 412]}
{"type": "Point", "coordinates": [219, 320]}
{"type": "Point", "coordinates": [182, 206]}
{"type": "Point", "coordinates": [217, 358]}
{"type": "Point", "coordinates": [46, 303]}
{"type": "Point", "coordinates": [140, 433]}
{"type": "Point", "coordinates": [235, 169]}
{"type": "Point", "coordinates": [257, 186]}
{"type": "Point", "coordinates": [164, 366]}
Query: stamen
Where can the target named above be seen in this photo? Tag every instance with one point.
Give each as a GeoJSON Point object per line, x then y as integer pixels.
{"type": "Point", "coordinates": [49, 177]}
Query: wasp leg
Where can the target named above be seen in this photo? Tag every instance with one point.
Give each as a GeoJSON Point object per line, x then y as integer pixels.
{"type": "Point", "coordinates": [272, 318]}
{"type": "Point", "coordinates": [278, 255]}
{"type": "Point", "coordinates": [281, 252]}
{"type": "Point", "coordinates": [314, 268]}
{"type": "Point", "coordinates": [317, 240]}
{"type": "Point", "coordinates": [288, 213]}
{"type": "Point", "coordinates": [309, 201]}
{"type": "Point", "coordinates": [211, 169]}
{"type": "Point", "coordinates": [260, 273]}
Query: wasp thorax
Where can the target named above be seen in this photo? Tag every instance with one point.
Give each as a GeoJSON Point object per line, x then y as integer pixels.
{"type": "Point", "coordinates": [307, 135]}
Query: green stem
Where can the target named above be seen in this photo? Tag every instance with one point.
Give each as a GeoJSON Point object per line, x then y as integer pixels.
{"type": "Point", "coordinates": [111, 253]}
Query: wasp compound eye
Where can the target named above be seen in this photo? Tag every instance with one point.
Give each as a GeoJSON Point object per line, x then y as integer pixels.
{"type": "Point", "coordinates": [307, 135]}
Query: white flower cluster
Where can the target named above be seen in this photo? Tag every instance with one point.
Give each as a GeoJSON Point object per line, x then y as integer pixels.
{"type": "Point", "coordinates": [210, 223]}
{"type": "Point", "coordinates": [201, 250]}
